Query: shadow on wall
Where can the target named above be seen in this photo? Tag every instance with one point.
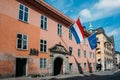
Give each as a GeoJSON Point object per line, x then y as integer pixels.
{"type": "Point", "coordinates": [79, 67]}
{"type": "Point", "coordinates": [89, 66]}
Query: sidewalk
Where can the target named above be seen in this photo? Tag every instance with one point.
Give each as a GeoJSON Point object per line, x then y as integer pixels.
{"type": "Point", "coordinates": [63, 76]}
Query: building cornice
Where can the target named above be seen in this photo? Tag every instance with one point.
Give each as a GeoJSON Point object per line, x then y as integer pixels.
{"type": "Point", "coordinates": [51, 12]}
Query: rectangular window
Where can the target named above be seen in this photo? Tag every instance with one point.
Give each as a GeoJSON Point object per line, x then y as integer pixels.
{"type": "Point", "coordinates": [79, 65]}
{"type": "Point", "coordinates": [70, 50]}
{"type": "Point", "coordinates": [78, 52]}
{"type": "Point", "coordinates": [85, 67]}
{"type": "Point", "coordinates": [70, 66]}
{"type": "Point", "coordinates": [43, 63]}
{"type": "Point", "coordinates": [43, 45]}
{"type": "Point", "coordinates": [44, 22]}
{"type": "Point", "coordinates": [90, 54]}
{"type": "Point", "coordinates": [84, 54]}
{"type": "Point", "coordinates": [59, 31]}
{"type": "Point", "coordinates": [23, 13]}
{"type": "Point", "coordinates": [70, 34]}
{"type": "Point", "coordinates": [22, 41]}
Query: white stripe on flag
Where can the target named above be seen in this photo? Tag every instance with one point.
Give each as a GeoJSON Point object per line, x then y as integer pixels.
{"type": "Point", "coordinates": [78, 31]}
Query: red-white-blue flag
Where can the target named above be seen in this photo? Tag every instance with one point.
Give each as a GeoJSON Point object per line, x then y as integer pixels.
{"type": "Point", "coordinates": [77, 31]}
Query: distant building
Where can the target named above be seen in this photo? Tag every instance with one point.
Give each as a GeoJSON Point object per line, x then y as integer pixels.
{"type": "Point", "coordinates": [105, 49]}
{"type": "Point", "coordinates": [35, 39]}
{"type": "Point", "coordinates": [117, 59]}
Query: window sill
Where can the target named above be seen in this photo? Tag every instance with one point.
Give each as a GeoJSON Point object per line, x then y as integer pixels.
{"type": "Point", "coordinates": [23, 21]}
{"type": "Point", "coordinates": [22, 49]}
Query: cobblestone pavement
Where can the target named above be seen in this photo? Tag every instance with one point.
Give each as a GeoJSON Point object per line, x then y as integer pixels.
{"type": "Point", "coordinates": [102, 75]}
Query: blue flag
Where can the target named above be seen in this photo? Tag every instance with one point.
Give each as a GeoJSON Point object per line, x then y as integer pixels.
{"type": "Point", "coordinates": [92, 41]}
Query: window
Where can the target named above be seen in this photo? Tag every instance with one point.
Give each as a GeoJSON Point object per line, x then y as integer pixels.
{"type": "Point", "coordinates": [84, 53]}
{"type": "Point", "coordinates": [70, 66]}
{"type": "Point", "coordinates": [43, 63]}
{"type": "Point", "coordinates": [70, 50]}
{"type": "Point", "coordinates": [43, 45]}
{"type": "Point", "coordinates": [59, 31]}
{"type": "Point", "coordinates": [70, 34]}
{"type": "Point", "coordinates": [43, 22]}
{"type": "Point", "coordinates": [79, 65]}
{"type": "Point", "coordinates": [90, 54]}
{"type": "Point", "coordinates": [22, 41]}
{"type": "Point", "coordinates": [78, 52]}
{"type": "Point", "coordinates": [85, 67]}
{"type": "Point", "coordinates": [90, 64]}
{"type": "Point", "coordinates": [23, 13]}
{"type": "Point", "coordinates": [84, 41]}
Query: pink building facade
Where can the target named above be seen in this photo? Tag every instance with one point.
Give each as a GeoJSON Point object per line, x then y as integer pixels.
{"type": "Point", "coordinates": [39, 41]}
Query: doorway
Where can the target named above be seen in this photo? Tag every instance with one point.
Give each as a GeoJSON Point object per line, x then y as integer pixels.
{"type": "Point", "coordinates": [21, 66]}
{"type": "Point", "coordinates": [58, 66]}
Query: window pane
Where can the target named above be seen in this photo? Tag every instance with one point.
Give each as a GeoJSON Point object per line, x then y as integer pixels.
{"type": "Point", "coordinates": [41, 41]}
{"type": "Point", "coordinates": [24, 44]}
{"type": "Point", "coordinates": [19, 44]}
{"type": "Point", "coordinates": [26, 9]}
{"type": "Point", "coordinates": [41, 47]}
{"type": "Point", "coordinates": [20, 14]}
{"type": "Point", "coordinates": [42, 24]}
{"type": "Point", "coordinates": [45, 26]}
{"type": "Point", "coordinates": [21, 6]}
{"type": "Point", "coordinates": [25, 17]}
{"type": "Point", "coordinates": [41, 16]}
{"type": "Point", "coordinates": [45, 48]}
{"type": "Point", "coordinates": [19, 36]}
{"type": "Point", "coordinates": [25, 37]}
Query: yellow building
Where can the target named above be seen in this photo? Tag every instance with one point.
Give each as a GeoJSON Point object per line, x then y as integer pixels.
{"type": "Point", "coordinates": [104, 50]}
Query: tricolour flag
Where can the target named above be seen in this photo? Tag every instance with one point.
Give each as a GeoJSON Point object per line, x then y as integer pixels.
{"type": "Point", "coordinates": [77, 31]}
{"type": "Point", "coordinates": [92, 41]}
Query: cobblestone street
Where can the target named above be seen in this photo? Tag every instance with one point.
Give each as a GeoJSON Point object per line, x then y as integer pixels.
{"type": "Point", "coordinates": [102, 75]}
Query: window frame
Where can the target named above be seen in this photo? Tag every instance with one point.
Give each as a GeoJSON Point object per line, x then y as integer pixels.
{"type": "Point", "coordinates": [44, 27]}
{"type": "Point", "coordinates": [22, 42]}
{"type": "Point", "coordinates": [59, 29]}
{"type": "Point", "coordinates": [43, 44]}
{"type": "Point", "coordinates": [23, 20]}
{"type": "Point", "coordinates": [43, 64]}
{"type": "Point", "coordinates": [70, 35]}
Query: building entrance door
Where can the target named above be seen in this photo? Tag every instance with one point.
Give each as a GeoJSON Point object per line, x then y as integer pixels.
{"type": "Point", "coordinates": [58, 66]}
{"type": "Point", "coordinates": [21, 66]}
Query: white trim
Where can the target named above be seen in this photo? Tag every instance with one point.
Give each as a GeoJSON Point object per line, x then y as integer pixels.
{"type": "Point", "coordinates": [23, 12]}
{"type": "Point", "coordinates": [22, 43]}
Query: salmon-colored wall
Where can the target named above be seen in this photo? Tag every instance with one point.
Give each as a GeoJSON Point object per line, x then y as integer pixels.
{"type": "Point", "coordinates": [10, 26]}
{"type": "Point", "coordinates": [53, 38]}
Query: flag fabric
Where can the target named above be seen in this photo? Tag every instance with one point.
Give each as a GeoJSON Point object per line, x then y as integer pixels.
{"type": "Point", "coordinates": [77, 31]}
{"type": "Point", "coordinates": [92, 41]}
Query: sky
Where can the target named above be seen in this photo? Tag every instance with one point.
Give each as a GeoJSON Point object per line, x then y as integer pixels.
{"type": "Point", "coordinates": [100, 13]}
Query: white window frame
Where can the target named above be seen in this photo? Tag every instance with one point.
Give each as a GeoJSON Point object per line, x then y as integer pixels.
{"type": "Point", "coordinates": [70, 35]}
{"type": "Point", "coordinates": [43, 45]}
{"type": "Point", "coordinates": [59, 29]}
{"type": "Point", "coordinates": [44, 22]}
{"type": "Point", "coordinates": [22, 42]}
{"type": "Point", "coordinates": [44, 64]}
{"type": "Point", "coordinates": [23, 13]}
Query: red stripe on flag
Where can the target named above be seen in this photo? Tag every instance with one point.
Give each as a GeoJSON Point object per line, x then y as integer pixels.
{"type": "Point", "coordinates": [80, 27]}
